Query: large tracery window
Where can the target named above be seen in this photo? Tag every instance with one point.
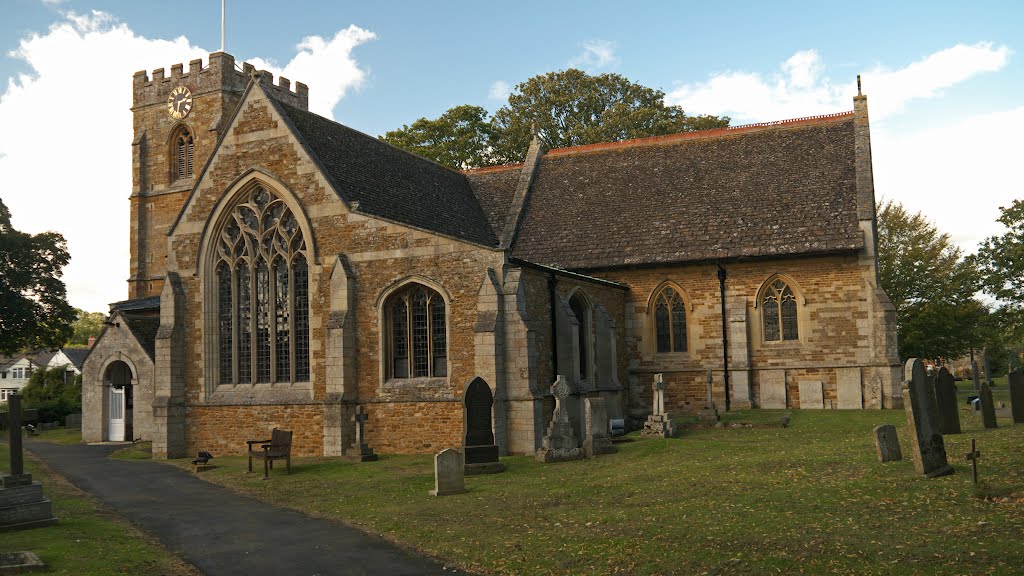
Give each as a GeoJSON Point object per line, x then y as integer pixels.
{"type": "Point", "coordinates": [262, 294]}
{"type": "Point", "coordinates": [670, 321]}
{"type": "Point", "coordinates": [184, 149]}
{"type": "Point", "coordinates": [779, 312]}
{"type": "Point", "coordinates": [416, 336]}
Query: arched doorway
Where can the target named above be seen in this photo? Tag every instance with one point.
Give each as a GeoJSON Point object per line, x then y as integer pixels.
{"type": "Point", "coordinates": [118, 382]}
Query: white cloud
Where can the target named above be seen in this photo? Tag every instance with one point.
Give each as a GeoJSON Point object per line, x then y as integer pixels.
{"type": "Point", "coordinates": [499, 91]}
{"type": "Point", "coordinates": [66, 129]}
{"type": "Point", "coordinates": [596, 55]}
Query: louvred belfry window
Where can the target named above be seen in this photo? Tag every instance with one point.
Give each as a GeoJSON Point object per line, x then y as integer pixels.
{"type": "Point", "coordinates": [184, 149]}
{"type": "Point", "coordinates": [670, 321]}
{"type": "Point", "coordinates": [417, 341]}
{"type": "Point", "coordinates": [779, 312]}
{"type": "Point", "coordinates": [263, 305]}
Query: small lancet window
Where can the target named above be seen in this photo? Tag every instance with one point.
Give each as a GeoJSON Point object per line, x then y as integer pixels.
{"type": "Point", "coordinates": [670, 321]}
{"type": "Point", "coordinates": [184, 149]}
{"type": "Point", "coordinates": [779, 312]}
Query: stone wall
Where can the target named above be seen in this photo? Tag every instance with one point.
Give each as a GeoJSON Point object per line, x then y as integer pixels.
{"type": "Point", "coordinates": [224, 429]}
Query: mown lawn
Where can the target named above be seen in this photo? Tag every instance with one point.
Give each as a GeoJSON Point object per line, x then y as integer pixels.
{"type": "Point", "coordinates": [811, 498]}
{"type": "Point", "coordinates": [89, 539]}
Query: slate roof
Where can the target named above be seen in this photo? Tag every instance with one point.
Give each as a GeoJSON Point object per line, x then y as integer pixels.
{"type": "Point", "coordinates": [8, 361]}
{"type": "Point", "coordinates": [391, 183]}
{"type": "Point", "coordinates": [494, 189]}
{"type": "Point", "coordinates": [144, 329]}
{"type": "Point", "coordinates": [769, 191]}
{"type": "Point", "coordinates": [148, 303]}
{"type": "Point", "coordinates": [76, 355]}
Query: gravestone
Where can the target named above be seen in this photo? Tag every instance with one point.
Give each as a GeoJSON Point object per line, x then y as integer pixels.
{"type": "Point", "coordinates": [709, 414]}
{"type": "Point", "coordinates": [848, 389]}
{"type": "Point", "coordinates": [659, 423]}
{"type": "Point", "coordinates": [926, 443]}
{"type": "Point", "coordinates": [811, 396]}
{"type": "Point", "coordinates": [559, 444]}
{"type": "Point", "coordinates": [975, 375]}
{"type": "Point", "coordinates": [365, 452]}
{"type": "Point", "coordinates": [1016, 379]}
{"type": "Point", "coordinates": [988, 407]}
{"type": "Point", "coordinates": [479, 449]}
{"type": "Point", "coordinates": [887, 444]}
{"type": "Point", "coordinates": [598, 440]}
{"type": "Point", "coordinates": [448, 473]}
{"type": "Point", "coordinates": [986, 365]}
{"type": "Point", "coordinates": [773, 389]}
{"type": "Point", "coordinates": [945, 401]}
{"type": "Point", "coordinates": [22, 504]}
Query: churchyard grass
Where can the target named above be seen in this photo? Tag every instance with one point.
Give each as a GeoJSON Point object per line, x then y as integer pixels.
{"type": "Point", "coordinates": [808, 498]}
{"type": "Point", "coordinates": [88, 538]}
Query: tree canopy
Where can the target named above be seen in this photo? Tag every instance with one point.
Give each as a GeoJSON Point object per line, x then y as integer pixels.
{"type": "Point", "coordinates": [930, 284]}
{"type": "Point", "coordinates": [34, 312]}
{"type": "Point", "coordinates": [54, 392]}
{"type": "Point", "coordinates": [566, 108]}
{"type": "Point", "coordinates": [1000, 262]}
{"type": "Point", "coordinates": [86, 324]}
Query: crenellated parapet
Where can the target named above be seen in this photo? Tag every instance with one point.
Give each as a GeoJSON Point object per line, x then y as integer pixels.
{"type": "Point", "coordinates": [220, 74]}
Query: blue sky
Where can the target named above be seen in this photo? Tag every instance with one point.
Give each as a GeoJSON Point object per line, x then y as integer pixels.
{"type": "Point", "coordinates": [945, 83]}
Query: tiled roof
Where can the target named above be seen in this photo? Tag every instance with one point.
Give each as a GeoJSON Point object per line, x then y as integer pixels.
{"type": "Point", "coordinates": [8, 361]}
{"type": "Point", "coordinates": [144, 329]}
{"type": "Point", "coordinates": [390, 183]}
{"type": "Point", "coordinates": [148, 303]}
{"type": "Point", "coordinates": [777, 189]}
{"type": "Point", "coordinates": [495, 188]}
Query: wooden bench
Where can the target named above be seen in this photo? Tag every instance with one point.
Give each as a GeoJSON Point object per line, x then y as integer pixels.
{"type": "Point", "coordinates": [279, 447]}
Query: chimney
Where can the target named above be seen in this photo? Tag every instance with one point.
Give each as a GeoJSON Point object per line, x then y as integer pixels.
{"type": "Point", "coordinates": [92, 340]}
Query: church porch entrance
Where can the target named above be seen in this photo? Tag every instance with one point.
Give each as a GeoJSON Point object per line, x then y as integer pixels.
{"type": "Point", "coordinates": [119, 384]}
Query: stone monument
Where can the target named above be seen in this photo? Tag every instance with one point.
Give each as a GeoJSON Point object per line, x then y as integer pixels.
{"type": "Point", "coordinates": [448, 473]}
{"type": "Point", "coordinates": [925, 440]}
{"type": "Point", "coordinates": [1016, 379]}
{"type": "Point", "coordinates": [365, 452]}
{"type": "Point", "coordinates": [709, 414]}
{"type": "Point", "coordinates": [887, 444]}
{"type": "Point", "coordinates": [975, 375]}
{"type": "Point", "coordinates": [988, 407]}
{"type": "Point", "coordinates": [598, 441]}
{"type": "Point", "coordinates": [945, 401]}
{"type": "Point", "coordinates": [22, 504]}
{"type": "Point", "coordinates": [559, 444]}
{"type": "Point", "coordinates": [479, 449]}
{"type": "Point", "coordinates": [659, 423]}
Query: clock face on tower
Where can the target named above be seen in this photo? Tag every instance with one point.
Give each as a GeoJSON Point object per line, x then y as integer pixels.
{"type": "Point", "coordinates": [179, 103]}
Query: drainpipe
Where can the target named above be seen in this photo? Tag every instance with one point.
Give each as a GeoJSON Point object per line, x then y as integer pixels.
{"type": "Point", "coordinates": [725, 335]}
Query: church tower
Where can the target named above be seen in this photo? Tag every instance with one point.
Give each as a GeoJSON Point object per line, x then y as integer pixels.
{"type": "Point", "coordinates": [178, 120]}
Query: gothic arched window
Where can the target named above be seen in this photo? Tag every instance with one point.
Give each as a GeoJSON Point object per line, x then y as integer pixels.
{"type": "Point", "coordinates": [670, 321]}
{"type": "Point", "coordinates": [262, 280]}
{"type": "Point", "coordinates": [779, 312]}
{"type": "Point", "coordinates": [581, 310]}
{"type": "Point", "coordinates": [183, 149]}
{"type": "Point", "coordinates": [416, 337]}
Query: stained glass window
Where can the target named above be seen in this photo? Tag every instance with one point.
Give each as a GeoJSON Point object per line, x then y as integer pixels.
{"type": "Point", "coordinates": [263, 294]}
{"type": "Point", "coordinates": [670, 321]}
{"type": "Point", "coordinates": [418, 344]}
{"type": "Point", "coordinates": [779, 312]}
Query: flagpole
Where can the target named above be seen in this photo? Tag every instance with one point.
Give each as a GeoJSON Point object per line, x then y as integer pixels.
{"type": "Point", "coordinates": [222, 18]}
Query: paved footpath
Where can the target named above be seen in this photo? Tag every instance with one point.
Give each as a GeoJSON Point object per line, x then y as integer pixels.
{"type": "Point", "coordinates": [220, 532]}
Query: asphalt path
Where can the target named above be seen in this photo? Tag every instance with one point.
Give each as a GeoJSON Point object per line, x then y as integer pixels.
{"type": "Point", "coordinates": [223, 533]}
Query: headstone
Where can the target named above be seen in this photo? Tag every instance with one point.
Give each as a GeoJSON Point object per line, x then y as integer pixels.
{"type": "Point", "coordinates": [22, 504]}
{"type": "Point", "coordinates": [975, 375]}
{"type": "Point", "coordinates": [559, 444]}
{"type": "Point", "coordinates": [448, 473]}
{"type": "Point", "coordinates": [972, 457]}
{"type": "Point", "coordinates": [945, 401]}
{"type": "Point", "coordinates": [709, 414]}
{"type": "Point", "coordinates": [773, 389]}
{"type": "Point", "coordinates": [986, 365]}
{"type": "Point", "coordinates": [365, 452]}
{"type": "Point", "coordinates": [988, 408]}
{"type": "Point", "coordinates": [887, 444]}
{"type": "Point", "coordinates": [596, 416]}
{"type": "Point", "coordinates": [480, 451]}
{"type": "Point", "coordinates": [926, 443]}
{"type": "Point", "coordinates": [659, 423]}
{"type": "Point", "coordinates": [1016, 379]}
{"type": "Point", "coordinates": [849, 395]}
{"type": "Point", "coordinates": [811, 396]}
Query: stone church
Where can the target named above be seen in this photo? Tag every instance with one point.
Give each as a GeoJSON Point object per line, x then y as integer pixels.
{"type": "Point", "coordinates": [286, 270]}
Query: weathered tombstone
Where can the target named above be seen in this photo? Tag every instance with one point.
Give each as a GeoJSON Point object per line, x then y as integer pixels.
{"type": "Point", "coordinates": [986, 365]}
{"type": "Point", "coordinates": [597, 441]}
{"type": "Point", "coordinates": [773, 389]}
{"type": "Point", "coordinates": [365, 452]}
{"type": "Point", "coordinates": [925, 440]}
{"type": "Point", "coordinates": [22, 504]}
{"type": "Point", "coordinates": [659, 423]}
{"type": "Point", "coordinates": [448, 473]}
{"type": "Point", "coordinates": [988, 407]}
{"type": "Point", "coordinates": [480, 451]}
{"type": "Point", "coordinates": [945, 401]}
{"type": "Point", "coordinates": [975, 375]}
{"type": "Point", "coordinates": [887, 444]}
{"type": "Point", "coordinates": [709, 414]}
{"type": "Point", "coordinates": [811, 395]}
{"type": "Point", "coordinates": [1016, 379]}
{"type": "Point", "coordinates": [559, 444]}
{"type": "Point", "coordinates": [849, 395]}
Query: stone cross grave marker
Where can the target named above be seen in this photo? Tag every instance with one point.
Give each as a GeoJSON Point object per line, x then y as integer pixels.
{"type": "Point", "coordinates": [988, 407]}
{"type": "Point", "coordinates": [709, 414]}
{"type": "Point", "coordinates": [887, 444]}
{"type": "Point", "coordinates": [598, 441]}
{"type": "Point", "coordinates": [926, 443]}
{"type": "Point", "coordinates": [945, 400]}
{"type": "Point", "coordinates": [22, 504]}
{"type": "Point", "coordinates": [559, 444]}
{"type": "Point", "coordinates": [972, 457]}
{"type": "Point", "coordinates": [659, 423]}
{"type": "Point", "coordinates": [1016, 379]}
{"type": "Point", "coordinates": [365, 452]}
{"type": "Point", "coordinates": [710, 404]}
{"type": "Point", "coordinates": [449, 473]}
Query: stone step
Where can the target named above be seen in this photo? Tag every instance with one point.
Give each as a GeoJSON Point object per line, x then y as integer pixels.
{"type": "Point", "coordinates": [23, 513]}
{"type": "Point", "coordinates": [21, 494]}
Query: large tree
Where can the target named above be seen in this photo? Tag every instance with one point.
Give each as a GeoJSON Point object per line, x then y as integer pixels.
{"type": "Point", "coordinates": [931, 285]}
{"type": "Point", "coordinates": [34, 312]}
{"type": "Point", "coordinates": [565, 108]}
{"type": "Point", "coordinates": [86, 324]}
{"type": "Point", "coordinates": [1000, 261]}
